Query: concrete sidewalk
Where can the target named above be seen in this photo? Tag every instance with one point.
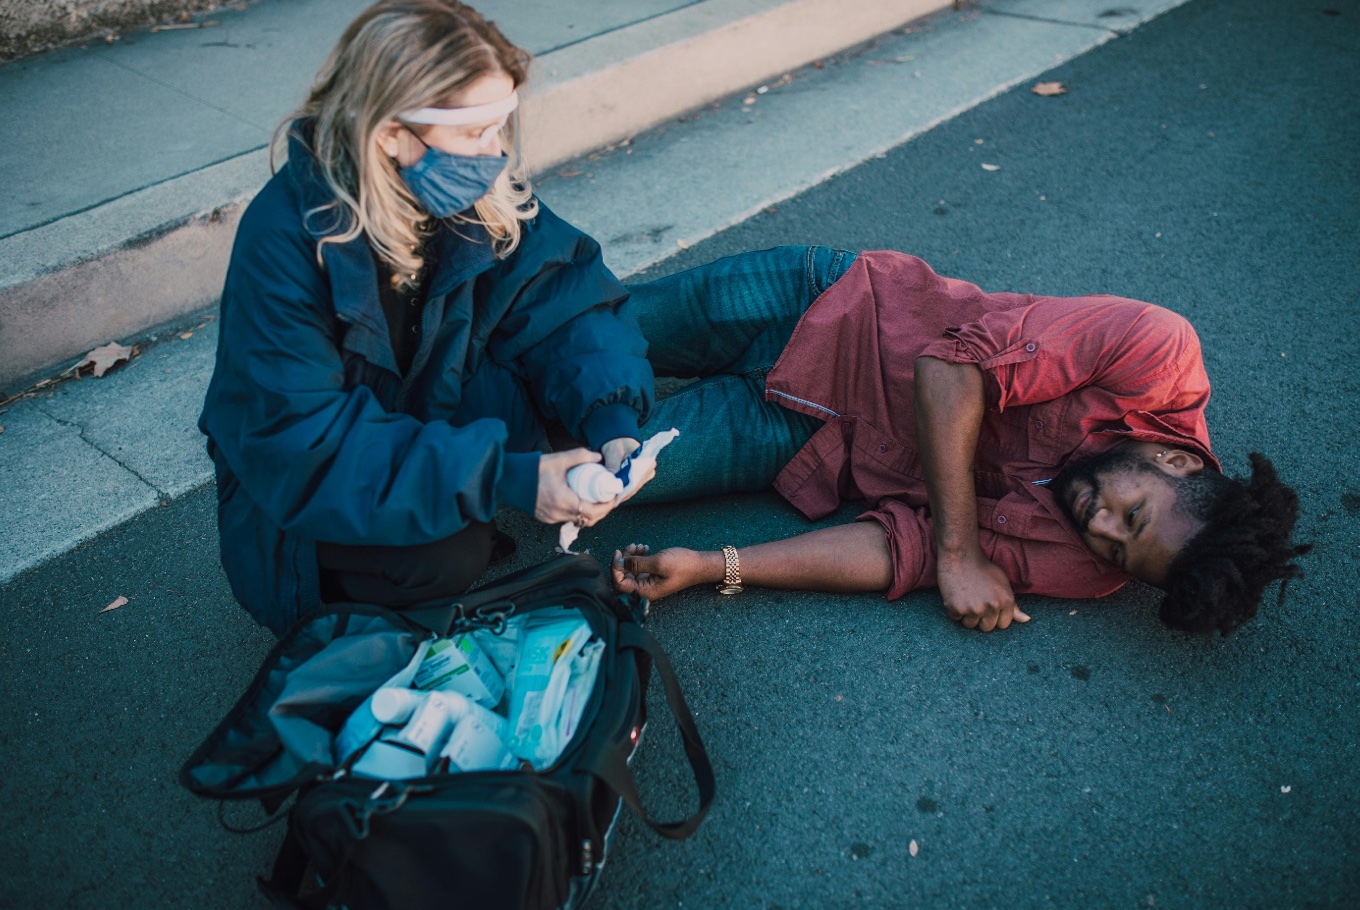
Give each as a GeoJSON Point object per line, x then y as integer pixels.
{"type": "Point", "coordinates": [89, 454]}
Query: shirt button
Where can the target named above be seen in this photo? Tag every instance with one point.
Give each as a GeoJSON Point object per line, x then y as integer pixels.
{"type": "Point", "coordinates": [1038, 424]}
{"type": "Point", "coordinates": [882, 448]}
{"type": "Point", "coordinates": [1031, 347]}
{"type": "Point", "coordinates": [1001, 519]}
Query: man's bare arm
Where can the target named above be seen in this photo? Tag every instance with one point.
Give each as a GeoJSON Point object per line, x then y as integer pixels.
{"type": "Point", "coordinates": [846, 558]}
{"type": "Point", "coordinates": [949, 408]}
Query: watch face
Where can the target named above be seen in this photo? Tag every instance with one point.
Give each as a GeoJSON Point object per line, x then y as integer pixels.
{"type": "Point", "coordinates": [729, 589]}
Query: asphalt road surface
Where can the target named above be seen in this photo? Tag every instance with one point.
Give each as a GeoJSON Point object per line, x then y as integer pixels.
{"type": "Point", "coordinates": [1207, 162]}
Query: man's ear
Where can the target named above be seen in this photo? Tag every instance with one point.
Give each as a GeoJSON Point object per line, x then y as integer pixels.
{"type": "Point", "coordinates": [1180, 463]}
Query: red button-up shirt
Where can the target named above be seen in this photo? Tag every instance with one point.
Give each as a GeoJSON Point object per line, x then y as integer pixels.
{"type": "Point", "coordinates": [1065, 377]}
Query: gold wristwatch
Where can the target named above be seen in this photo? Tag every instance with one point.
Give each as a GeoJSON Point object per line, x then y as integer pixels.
{"type": "Point", "coordinates": [731, 583]}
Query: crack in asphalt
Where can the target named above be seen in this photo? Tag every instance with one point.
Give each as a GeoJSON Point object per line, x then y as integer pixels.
{"type": "Point", "coordinates": [1045, 19]}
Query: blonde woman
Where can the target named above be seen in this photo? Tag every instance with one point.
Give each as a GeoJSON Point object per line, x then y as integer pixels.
{"type": "Point", "coordinates": [401, 319]}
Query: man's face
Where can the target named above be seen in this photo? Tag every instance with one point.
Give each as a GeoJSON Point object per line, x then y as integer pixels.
{"type": "Point", "coordinates": [1124, 503]}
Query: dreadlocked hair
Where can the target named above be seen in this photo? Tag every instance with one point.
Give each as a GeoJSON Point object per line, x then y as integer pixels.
{"type": "Point", "coordinates": [1217, 579]}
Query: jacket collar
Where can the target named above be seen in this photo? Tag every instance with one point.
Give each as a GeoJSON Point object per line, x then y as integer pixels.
{"type": "Point", "coordinates": [460, 254]}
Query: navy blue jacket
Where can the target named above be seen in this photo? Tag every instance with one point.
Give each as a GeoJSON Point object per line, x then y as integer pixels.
{"type": "Point", "coordinates": [315, 434]}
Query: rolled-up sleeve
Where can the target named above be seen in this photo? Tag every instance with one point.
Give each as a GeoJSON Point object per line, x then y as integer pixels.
{"type": "Point", "coordinates": [911, 545]}
{"type": "Point", "coordinates": [1143, 356]}
{"type": "Point", "coordinates": [1051, 565]}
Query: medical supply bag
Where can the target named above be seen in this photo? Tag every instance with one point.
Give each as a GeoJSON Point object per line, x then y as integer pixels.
{"type": "Point", "coordinates": [531, 835]}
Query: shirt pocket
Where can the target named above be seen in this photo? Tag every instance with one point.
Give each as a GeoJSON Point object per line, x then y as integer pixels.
{"type": "Point", "coordinates": [1010, 515]}
{"type": "Point", "coordinates": [1026, 436]}
{"type": "Point", "coordinates": [1047, 441]}
{"type": "Point", "coordinates": [883, 467]}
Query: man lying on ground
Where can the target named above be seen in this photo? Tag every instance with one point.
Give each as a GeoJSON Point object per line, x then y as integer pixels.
{"type": "Point", "coordinates": [1002, 443]}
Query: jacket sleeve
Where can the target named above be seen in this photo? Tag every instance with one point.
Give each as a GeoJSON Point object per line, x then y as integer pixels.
{"type": "Point", "coordinates": [323, 460]}
{"type": "Point", "coordinates": [1140, 356]}
{"type": "Point", "coordinates": [585, 362]}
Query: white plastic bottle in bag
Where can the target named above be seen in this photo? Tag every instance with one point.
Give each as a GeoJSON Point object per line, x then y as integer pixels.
{"type": "Point", "coordinates": [477, 746]}
{"type": "Point", "coordinates": [412, 749]}
{"type": "Point", "coordinates": [395, 706]}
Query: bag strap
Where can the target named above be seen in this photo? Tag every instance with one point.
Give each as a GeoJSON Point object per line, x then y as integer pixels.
{"type": "Point", "coordinates": [289, 885]}
{"type": "Point", "coordinates": [613, 766]}
{"type": "Point", "coordinates": [285, 880]}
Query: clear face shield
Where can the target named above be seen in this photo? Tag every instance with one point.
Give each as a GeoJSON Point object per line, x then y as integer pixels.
{"type": "Point", "coordinates": [499, 117]}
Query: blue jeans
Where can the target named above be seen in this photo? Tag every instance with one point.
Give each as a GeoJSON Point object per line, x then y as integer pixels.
{"type": "Point", "coordinates": [727, 323]}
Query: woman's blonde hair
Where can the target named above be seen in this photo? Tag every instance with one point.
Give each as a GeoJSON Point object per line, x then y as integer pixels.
{"type": "Point", "coordinates": [403, 55]}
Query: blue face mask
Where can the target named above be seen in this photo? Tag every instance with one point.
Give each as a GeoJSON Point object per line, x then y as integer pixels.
{"type": "Point", "coordinates": [446, 184]}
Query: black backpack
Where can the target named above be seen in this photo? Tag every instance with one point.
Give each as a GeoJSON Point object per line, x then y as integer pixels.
{"type": "Point", "coordinates": [494, 839]}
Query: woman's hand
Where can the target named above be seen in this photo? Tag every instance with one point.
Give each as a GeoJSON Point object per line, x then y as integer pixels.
{"type": "Point", "coordinates": [671, 570]}
{"type": "Point", "coordinates": [616, 450]}
{"type": "Point", "coordinates": [556, 503]}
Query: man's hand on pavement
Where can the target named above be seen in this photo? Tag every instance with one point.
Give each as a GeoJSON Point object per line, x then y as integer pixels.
{"type": "Point", "coordinates": [636, 571]}
{"type": "Point", "coordinates": [977, 593]}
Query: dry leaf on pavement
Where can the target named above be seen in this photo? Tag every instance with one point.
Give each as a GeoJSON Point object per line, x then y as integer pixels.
{"type": "Point", "coordinates": [105, 357]}
{"type": "Point", "coordinates": [913, 848]}
{"type": "Point", "coordinates": [991, 167]}
{"type": "Point", "coordinates": [121, 601]}
{"type": "Point", "coordinates": [181, 26]}
{"type": "Point", "coordinates": [1049, 89]}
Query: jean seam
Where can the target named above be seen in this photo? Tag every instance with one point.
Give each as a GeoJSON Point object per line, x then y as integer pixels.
{"type": "Point", "coordinates": [836, 266]}
{"type": "Point", "coordinates": [697, 386]}
{"type": "Point", "coordinates": [834, 270]}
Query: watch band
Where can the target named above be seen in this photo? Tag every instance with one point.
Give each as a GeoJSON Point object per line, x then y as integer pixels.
{"type": "Point", "coordinates": [731, 583]}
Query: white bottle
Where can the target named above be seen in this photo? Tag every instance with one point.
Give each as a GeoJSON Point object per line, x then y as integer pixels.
{"type": "Point", "coordinates": [593, 482]}
{"type": "Point", "coordinates": [460, 707]}
{"type": "Point", "coordinates": [427, 729]}
{"type": "Point", "coordinates": [475, 746]}
{"type": "Point", "coordinates": [395, 706]}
